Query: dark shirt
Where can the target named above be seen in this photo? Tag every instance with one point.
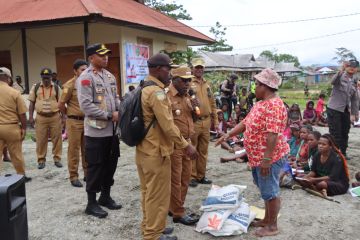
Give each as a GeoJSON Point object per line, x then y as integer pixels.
{"type": "Point", "coordinates": [333, 167]}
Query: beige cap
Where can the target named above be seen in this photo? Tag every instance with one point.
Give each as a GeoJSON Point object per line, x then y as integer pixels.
{"type": "Point", "coordinates": [183, 72]}
{"type": "Point", "coordinates": [5, 71]}
{"type": "Point", "coordinates": [198, 62]}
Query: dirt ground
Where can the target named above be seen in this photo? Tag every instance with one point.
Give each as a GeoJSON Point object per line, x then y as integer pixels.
{"type": "Point", "coordinates": [56, 209]}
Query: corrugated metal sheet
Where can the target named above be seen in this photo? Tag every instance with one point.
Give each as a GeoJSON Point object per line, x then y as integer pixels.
{"type": "Point", "coordinates": [25, 11]}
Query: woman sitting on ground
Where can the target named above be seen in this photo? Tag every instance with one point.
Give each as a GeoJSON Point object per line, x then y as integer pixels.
{"type": "Point", "coordinates": [329, 172]}
{"type": "Point", "coordinates": [309, 114]}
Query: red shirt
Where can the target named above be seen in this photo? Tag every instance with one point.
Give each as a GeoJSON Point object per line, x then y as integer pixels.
{"type": "Point", "coordinates": [320, 107]}
{"type": "Point", "coordinates": [266, 116]}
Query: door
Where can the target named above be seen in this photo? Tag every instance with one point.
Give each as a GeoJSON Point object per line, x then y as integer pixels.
{"type": "Point", "coordinates": [5, 61]}
{"type": "Point", "coordinates": [114, 63]}
{"type": "Point", "coordinates": [65, 58]}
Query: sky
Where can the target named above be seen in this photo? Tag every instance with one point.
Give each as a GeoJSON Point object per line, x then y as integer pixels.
{"type": "Point", "coordinates": [246, 39]}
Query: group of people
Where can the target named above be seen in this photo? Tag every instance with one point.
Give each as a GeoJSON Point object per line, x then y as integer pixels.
{"type": "Point", "coordinates": [179, 111]}
{"type": "Point", "coordinates": [172, 156]}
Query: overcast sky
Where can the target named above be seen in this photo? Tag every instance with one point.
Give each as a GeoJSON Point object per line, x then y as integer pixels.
{"type": "Point", "coordinates": [319, 51]}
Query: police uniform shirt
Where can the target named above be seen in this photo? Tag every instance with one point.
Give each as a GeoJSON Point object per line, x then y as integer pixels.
{"type": "Point", "coordinates": [69, 96]}
{"type": "Point", "coordinates": [97, 94]}
{"type": "Point", "coordinates": [206, 98]}
{"type": "Point", "coordinates": [45, 99]}
{"type": "Point", "coordinates": [182, 112]}
{"type": "Point", "coordinates": [12, 104]}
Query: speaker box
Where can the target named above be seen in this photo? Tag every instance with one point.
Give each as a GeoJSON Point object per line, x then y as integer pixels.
{"type": "Point", "coordinates": [13, 213]}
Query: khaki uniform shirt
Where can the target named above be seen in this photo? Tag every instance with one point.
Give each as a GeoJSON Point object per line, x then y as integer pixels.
{"type": "Point", "coordinates": [163, 135]}
{"type": "Point", "coordinates": [45, 99]}
{"type": "Point", "coordinates": [11, 104]}
{"type": "Point", "coordinates": [182, 112]}
{"type": "Point", "coordinates": [98, 98]}
{"type": "Point", "coordinates": [206, 98]}
{"type": "Point", "coordinates": [69, 96]}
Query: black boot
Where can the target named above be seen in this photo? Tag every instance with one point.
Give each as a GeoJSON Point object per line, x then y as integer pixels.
{"type": "Point", "coordinates": [93, 207]}
{"type": "Point", "coordinates": [106, 201]}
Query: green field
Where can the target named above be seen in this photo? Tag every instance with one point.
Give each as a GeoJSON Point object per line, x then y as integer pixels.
{"type": "Point", "coordinates": [297, 96]}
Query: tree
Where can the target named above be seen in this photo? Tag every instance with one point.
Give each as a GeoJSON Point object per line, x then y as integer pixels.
{"type": "Point", "coordinates": [282, 57]}
{"type": "Point", "coordinates": [343, 54]}
{"type": "Point", "coordinates": [220, 44]}
{"type": "Point", "coordinates": [182, 57]}
{"type": "Point", "coordinates": [173, 10]}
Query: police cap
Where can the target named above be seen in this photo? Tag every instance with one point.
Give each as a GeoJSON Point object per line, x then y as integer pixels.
{"type": "Point", "coordinates": [46, 72]}
{"type": "Point", "coordinates": [97, 48]}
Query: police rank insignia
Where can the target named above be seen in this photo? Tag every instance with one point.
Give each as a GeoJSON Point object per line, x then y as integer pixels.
{"type": "Point", "coordinates": [160, 95]}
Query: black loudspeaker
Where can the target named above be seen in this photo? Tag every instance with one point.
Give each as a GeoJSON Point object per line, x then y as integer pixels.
{"type": "Point", "coordinates": [13, 214]}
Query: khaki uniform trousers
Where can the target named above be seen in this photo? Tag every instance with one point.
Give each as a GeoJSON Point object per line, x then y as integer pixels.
{"type": "Point", "coordinates": [75, 133]}
{"type": "Point", "coordinates": [180, 178]}
{"type": "Point", "coordinates": [42, 126]}
{"type": "Point", "coordinates": [10, 135]}
{"type": "Point", "coordinates": [200, 141]}
{"type": "Point", "coordinates": [155, 182]}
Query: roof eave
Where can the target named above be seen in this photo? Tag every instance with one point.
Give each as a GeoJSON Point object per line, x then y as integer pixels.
{"type": "Point", "coordinates": [97, 18]}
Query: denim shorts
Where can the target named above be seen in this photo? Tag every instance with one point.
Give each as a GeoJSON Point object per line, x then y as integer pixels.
{"type": "Point", "coordinates": [269, 185]}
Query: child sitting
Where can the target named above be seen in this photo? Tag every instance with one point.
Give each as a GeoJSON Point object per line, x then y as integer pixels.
{"type": "Point", "coordinates": [303, 153]}
{"type": "Point", "coordinates": [294, 114]}
{"type": "Point", "coordinates": [329, 172]}
{"type": "Point", "coordinates": [309, 114]}
{"type": "Point", "coordinates": [313, 139]}
{"type": "Point", "coordinates": [294, 142]}
{"type": "Point", "coordinates": [320, 109]}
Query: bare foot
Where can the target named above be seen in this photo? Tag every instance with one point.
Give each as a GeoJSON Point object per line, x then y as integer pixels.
{"type": "Point", "coordinates": [266, 231]}
{"type": "Point", "coordinates": [239, 160]}
{"type": "Point", "coordinates": [260, 223]}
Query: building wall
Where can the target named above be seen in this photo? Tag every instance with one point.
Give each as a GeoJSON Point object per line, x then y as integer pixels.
{"type": "Point", "coordinates": [11, 41]}
{"type": "Point", "coordinates": [41, 43]}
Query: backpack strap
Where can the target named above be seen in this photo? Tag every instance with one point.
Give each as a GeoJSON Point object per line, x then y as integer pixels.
{"type": "Point", "coordinates": [144, 84]}
{"type": "Point", "coordinates": [37, 86]}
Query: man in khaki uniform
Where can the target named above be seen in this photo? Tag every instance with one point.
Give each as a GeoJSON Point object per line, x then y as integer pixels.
{"type": "Point", "coordinates": [43, 99]}
{"type": "Point", "coordinates": [12, 112]}
{"type": "Point", "coordinates": [69, 106]}
{"type": "Point", "coordinates": [153, 153]}
{"type": "Point", "coordinates": [182, 110]}
{"type": "Point", "coordinates": [201, 137]}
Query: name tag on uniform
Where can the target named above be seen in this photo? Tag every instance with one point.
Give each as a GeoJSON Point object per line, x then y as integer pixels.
{"type": "Point", "coordinates": [99, 90]}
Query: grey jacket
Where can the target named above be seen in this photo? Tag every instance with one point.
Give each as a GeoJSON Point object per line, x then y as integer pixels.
{"type": "Point", "coordinates": [98, 99]}
{"type": "Point", "coordinates": [344, 94]}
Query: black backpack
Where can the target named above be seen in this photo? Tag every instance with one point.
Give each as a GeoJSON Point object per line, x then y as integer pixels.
{"type": "Point", "coordinates": [131, 123]}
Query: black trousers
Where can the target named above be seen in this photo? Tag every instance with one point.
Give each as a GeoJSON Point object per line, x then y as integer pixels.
{"type": "Point", "coordinates": [101, 161]}
{"type": "Point", "coordinates": [339, 127]}
{"type": "Point", "coordinates": [228, 101]}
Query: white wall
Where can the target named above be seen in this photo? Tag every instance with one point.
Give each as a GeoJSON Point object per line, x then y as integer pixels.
{"type": "Point", "coordinates": [41, 43]}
